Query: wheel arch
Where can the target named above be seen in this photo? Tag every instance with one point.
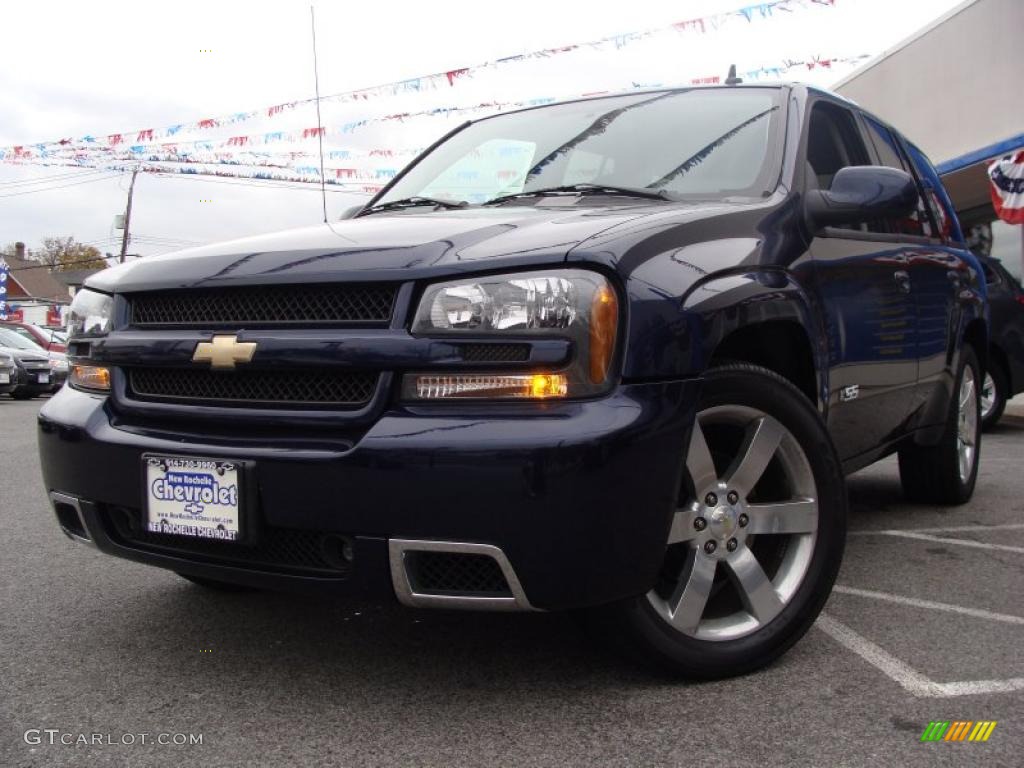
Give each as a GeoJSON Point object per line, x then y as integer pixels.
{"type": "Point", "coordinates": [976, 334]}
{"type": "Point", "coordinates": [764, 319]}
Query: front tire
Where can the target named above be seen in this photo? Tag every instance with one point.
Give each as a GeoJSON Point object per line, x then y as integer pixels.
{"type": "Point", "coordinates": [946, 473]}
{"type": "Point", "coordinates": [756, 541]}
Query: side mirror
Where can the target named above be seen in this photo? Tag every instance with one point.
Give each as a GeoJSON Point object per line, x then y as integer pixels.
{"type": "Point", "coordinates": [861, 193]}
{"type": "Point", "coordinates": [349, 213]}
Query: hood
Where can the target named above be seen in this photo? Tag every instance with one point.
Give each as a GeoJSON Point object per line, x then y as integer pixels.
{"type": "Point", "coordinates": [383, 246]}
{"type": "Point", "coordinates": [25, 354]}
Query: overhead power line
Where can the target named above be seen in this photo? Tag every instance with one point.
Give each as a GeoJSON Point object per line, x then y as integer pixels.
{"type": "Point", "coordinates": [60, 186]}
{"type": "Point", "coordinates": [90, 171]}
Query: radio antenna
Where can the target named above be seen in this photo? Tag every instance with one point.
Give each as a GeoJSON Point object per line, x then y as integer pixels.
{"type": "Point", "coordinates": [319, 124]}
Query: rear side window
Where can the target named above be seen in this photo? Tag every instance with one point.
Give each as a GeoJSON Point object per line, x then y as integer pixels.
{"type": "Point", "coordinates": [935, 195]}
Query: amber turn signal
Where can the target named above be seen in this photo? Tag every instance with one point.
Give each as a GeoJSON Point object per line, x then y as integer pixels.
{"type": "Point", "coordinates": [604, 319]}
{"type": "Point", "coordinates": [530, 386]}
{"type": "Point", "coordinates": [94, 377]}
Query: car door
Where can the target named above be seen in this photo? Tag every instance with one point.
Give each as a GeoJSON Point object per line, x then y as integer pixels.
{"type": "Point", "coordinates": [863, 283]}
{"type": "Point", "coordinates": [939, 274]}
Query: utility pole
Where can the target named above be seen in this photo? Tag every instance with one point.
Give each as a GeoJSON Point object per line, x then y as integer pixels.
{"type": "Point", "coordinates": [128, 216]}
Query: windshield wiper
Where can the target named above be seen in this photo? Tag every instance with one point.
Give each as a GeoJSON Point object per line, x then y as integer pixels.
{"type": "Point", "coordinates": [587, 189]}
{"type": "Point", "coordinates": [411, 202]}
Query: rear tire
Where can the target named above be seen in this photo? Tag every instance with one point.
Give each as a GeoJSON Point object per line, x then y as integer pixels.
{"type": "Point", "coordinates": [994, 394]}
{"type": "Point", "coordinates": [745, 573]}
{"type": "Point", "coordinates": [218, 586]}
{"type": "Point", "coordinates": [946, 473]}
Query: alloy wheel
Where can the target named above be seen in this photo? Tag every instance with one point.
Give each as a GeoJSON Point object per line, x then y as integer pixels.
{"type": "Point", "coordinates": [967, 425]}
{"type": "Point", "coordinates": [988, 396]}
{"type": "Point", "coordinates": [740, 544]}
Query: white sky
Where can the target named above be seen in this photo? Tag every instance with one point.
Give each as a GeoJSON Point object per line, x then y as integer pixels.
{"type": "Point", "coordinates": [70, 68]}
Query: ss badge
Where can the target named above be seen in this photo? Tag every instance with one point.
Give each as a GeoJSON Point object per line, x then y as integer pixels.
{"type": "Point", "coordinates": [848, 393]}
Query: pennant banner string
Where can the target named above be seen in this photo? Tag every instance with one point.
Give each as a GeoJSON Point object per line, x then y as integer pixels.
{"type": "Point", "coordinates": [700, 25]}
{"type": "Point", "coordinates": [244, 143]}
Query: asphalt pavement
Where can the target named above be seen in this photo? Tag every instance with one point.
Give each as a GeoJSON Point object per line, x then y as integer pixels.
{"type": "Point", "coordinates": [927, 624]}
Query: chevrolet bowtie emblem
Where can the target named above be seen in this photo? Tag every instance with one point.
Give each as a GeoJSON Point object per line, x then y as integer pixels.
{"type": "Point", "coordinates": [224, 351]}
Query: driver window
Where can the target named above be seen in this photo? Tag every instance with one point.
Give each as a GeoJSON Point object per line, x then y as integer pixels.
{"type": "Point", "coordinates": [833, 142]}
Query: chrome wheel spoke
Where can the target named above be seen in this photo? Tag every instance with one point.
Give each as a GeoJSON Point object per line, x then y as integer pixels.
{"type": "Point", "coordinates": [796, 516]}
{"type": "Point", "coordinates": [698, 461]}
{"type": "Point", "coordinates": [686, 604]}
{"type": "Point", "coordinates": [682, 527]}
{"type": "Point", "coordinates": [756, 591]}
{"type": "Point", "coordinates": [759, 446]}
{"type": "Point", "coordinates": [966, 393]}
{"type": "Point", "coordinates": [988, 395]}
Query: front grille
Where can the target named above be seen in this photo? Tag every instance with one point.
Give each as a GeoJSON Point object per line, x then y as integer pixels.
{"type": "Point", "coordinates": [278, 549]}
{"type": "Point", "coordinates": [343, 389]}
{"type": "Point", "coordinates": [494, 353]}
{"type": "Point", "coordinates": [283, 305]}
{"type": "Point", "coordinates": [456, 572]}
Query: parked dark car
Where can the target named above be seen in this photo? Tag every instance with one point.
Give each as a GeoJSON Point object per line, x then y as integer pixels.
{"type": "Point", "coordinates": [8, 373]}
{"type": "Point", "coordinates": [34, 379]}
{"type": "Point", "coordinates": [613, 354]}
{"type": "Point", "coordinates": [47, 338]}
{"type": "Point", "coordinates": [1004, 375]}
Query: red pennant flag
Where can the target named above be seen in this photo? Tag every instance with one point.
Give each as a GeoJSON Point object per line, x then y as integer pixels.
{"type": "Point", "coordinates": [455, 73]}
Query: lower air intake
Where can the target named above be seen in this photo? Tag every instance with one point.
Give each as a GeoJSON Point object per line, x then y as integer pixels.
{"type": "Point", "coordinates": [455, 573]}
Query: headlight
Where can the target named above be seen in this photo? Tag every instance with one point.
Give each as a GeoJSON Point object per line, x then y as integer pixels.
{"type": "Point", "coordinates": [574, 304]}
{"type": "Point", "coordinates": [58, 364]}
{"type": "Point", "coordinates": [91, 314]}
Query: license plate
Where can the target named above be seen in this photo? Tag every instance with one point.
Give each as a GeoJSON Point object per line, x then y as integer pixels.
{"type": "Point", "coordinates": [43, 378]}
{"type": "Point", "coordinates": [193, 497]}
{"type": "Point", "coordinates": [5, 378]}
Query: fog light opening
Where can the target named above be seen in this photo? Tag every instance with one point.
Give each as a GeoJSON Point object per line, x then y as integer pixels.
{"type": "Point", "coordinates": [527, 386]}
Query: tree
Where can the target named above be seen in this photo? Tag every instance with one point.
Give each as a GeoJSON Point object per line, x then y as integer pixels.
{"type": "Point", "coordinates": [65, 253]}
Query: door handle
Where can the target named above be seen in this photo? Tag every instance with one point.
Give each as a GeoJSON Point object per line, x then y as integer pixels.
{"type": "Point", "coordinates": [902, 278]}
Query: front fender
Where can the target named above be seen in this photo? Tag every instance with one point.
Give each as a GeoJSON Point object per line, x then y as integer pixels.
{"type": "Point", "coordinates": [681, 339]}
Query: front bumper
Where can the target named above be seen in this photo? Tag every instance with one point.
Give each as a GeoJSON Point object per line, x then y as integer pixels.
{"type": "Point", "coordinates": [577, 496]}
{"type": "Point", "coordinates": [28, 380]}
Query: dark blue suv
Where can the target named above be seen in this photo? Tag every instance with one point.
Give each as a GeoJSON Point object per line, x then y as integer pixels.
{"type": "Point", "coordinates": [613, 354]}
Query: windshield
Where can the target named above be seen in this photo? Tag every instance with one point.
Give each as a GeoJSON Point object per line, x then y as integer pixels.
{"type": "Point", "coordinates": [709, 143]}
{"type": "Point", "coordinates": [51, 334]}
{"type": "Point", "coordinates": [9, 338]}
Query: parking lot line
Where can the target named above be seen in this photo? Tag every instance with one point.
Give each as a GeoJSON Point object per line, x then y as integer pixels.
{"type": "Point", "coordinates": [918, 603]}
{"type": "Point", "coordinates": [946, 540]}
{"type": "Point", "coordinates": [947, 529]}
{"type": "Point", "coordinates": [906, 676]}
